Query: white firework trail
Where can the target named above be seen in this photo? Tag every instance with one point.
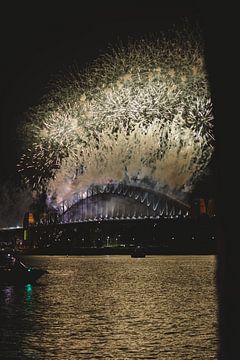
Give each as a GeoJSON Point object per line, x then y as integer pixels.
{"type": "Point", "coordinates": [140, 114]}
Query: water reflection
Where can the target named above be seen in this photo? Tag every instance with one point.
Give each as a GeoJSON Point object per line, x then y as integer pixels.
{"type": "Point", "coordinates": [28, 288]}
{"type": "Point", "coordinates": [13, 294]}
{"type": "Point", "coordinates": [161, 307]}
{"type": "Point", "coordinates": [8, 294]}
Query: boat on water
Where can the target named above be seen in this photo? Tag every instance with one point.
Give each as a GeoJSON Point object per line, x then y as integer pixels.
{"type": "Point", "coordinates": [13, 271]}
{"type": "Point", "coordinates": [138, 252]}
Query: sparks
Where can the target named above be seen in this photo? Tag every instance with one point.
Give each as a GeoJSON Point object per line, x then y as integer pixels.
{"type": "Point", "coordinates": [140, 114]}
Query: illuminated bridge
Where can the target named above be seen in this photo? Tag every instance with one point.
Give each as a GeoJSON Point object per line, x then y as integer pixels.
{"type": "Point", "coordinates": [118, 202]}
{"type": "Point", "coordinates": [116, 216]}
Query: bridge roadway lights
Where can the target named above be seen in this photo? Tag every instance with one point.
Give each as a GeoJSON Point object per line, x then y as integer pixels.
{"type": "Point", "coordinates": [180, 233]}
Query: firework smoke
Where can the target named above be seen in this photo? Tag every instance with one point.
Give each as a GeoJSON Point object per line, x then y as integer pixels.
{"type": "Point", "coordinates": [140, 115]}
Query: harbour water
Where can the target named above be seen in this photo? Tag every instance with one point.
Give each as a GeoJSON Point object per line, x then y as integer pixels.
{"type": "Point", "coordinates": [112, 307]}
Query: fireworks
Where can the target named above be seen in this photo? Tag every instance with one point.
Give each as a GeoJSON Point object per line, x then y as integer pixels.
{"type": "Point", "coordinates": [140, 115]}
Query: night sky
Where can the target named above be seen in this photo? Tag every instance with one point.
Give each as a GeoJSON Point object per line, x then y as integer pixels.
{"type": "Point", "coordinates": [38, 43]}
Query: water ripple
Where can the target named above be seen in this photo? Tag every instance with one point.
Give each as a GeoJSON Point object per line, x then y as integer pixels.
{"type": "Point", "coordinates": [113, 307]}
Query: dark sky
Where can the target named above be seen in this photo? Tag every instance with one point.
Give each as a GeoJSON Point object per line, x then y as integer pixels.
{"type": "Point", "coordinates": [37, 43]}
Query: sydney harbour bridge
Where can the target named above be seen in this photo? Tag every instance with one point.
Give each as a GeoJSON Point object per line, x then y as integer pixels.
{"type": "Point", "coordinates": [119, 201]}
{"type": "Point", "coordinates": [117, 217]}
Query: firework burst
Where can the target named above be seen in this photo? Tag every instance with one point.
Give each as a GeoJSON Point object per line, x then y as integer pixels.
{"type": "Point", "coordinates": [140, 114]}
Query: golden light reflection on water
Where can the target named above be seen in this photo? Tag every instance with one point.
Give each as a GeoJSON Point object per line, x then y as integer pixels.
{"type": "Point", "coordinates": [161, 307]}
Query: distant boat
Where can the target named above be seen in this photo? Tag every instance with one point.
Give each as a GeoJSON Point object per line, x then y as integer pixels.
{"type": "Point", "coordinates": [138, 252]}
{"type": "Point", "coordinates": [13, 271]}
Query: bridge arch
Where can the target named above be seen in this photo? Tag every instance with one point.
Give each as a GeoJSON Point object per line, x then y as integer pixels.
{"type": "Point", "coordinates": [119, 201]}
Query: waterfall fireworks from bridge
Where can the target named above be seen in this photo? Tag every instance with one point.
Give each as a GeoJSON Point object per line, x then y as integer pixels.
{"type": "Point", "coordinates": [140, 115]}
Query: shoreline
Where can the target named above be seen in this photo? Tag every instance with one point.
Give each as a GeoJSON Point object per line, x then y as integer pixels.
{"type": "Point", "coordinates": [118, 251]}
